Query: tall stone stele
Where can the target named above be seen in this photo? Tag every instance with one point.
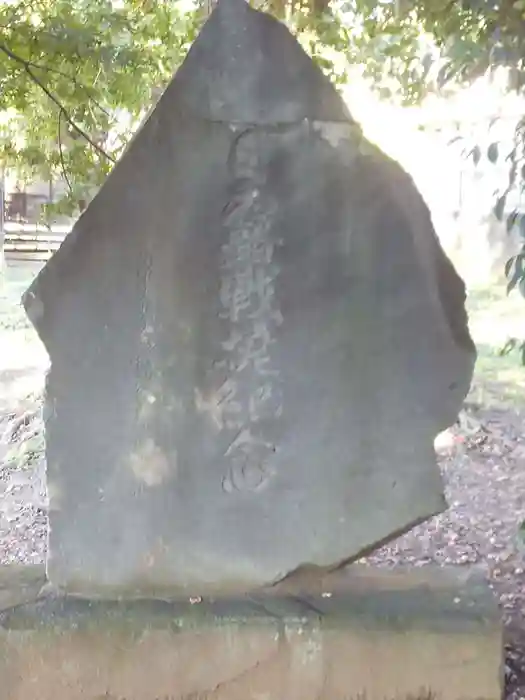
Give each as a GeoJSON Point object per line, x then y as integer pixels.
{"type": "Point", "coordinates": [254, 335]}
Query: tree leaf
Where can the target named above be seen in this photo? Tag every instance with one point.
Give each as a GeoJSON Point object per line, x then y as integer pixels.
{"type": "Point", "coordinates": [508, 347]}
{"type": "Point", "coordinates": [515, 274]}
{"type": "Point", "coordinates": [499, 207]}
{"type": "Point", "coordinates": [493, 152]}
{"type": "Point", "coordinates": [509, 265]}
{"type": "Point", "coordinates": [522, 226]}
{"type": "Point", "coordinates": [511, 220]}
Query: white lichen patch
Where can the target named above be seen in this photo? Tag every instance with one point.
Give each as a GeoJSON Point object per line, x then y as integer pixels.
{"type": "Point", "coordinates": [346, 138]}
{"type": "Point", "coordinates": [336, 133]}
{"type": "Point", "coordinates": [210, 406]}
{"type": "Point", "coordinates": [150, 465]}
{"type": "Point", "coordinates": [146, 406]}
{"type": "Point", "coordinates": [54, 494]}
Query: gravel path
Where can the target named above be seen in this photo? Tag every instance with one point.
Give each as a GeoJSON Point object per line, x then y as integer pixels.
{"type": "Point", "coordinates": [483, 466]}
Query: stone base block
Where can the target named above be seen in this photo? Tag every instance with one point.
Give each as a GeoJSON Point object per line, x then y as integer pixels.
{"type": "Point", "coordinates": [362, 633]}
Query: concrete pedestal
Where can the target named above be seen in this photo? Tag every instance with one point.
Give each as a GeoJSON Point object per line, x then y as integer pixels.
{"type": "Point", "coordinates": [362, 633]}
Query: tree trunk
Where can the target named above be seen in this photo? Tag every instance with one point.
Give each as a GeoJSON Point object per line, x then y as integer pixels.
{"type": "Point", "coordinates": [319, 7]}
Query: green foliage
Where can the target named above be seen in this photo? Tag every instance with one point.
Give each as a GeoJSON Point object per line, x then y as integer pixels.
{"type": "Point", "coordinates": [77, 76]}
{"type": "Point", "coordinates": [514, 345]}
{"type": "Point", "coordinates": [514, 218]}
{"type": "Point", "coordinates": [508, 207]}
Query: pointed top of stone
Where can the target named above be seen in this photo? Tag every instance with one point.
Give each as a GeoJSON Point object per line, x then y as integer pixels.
{"type": "Point", "coordinates": [230, 3]}
{"type": "Point", "coordinates": [246, 67]}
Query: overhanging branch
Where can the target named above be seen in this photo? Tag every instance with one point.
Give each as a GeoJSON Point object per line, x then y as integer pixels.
{"type": "Point", "coordinates": [56, 71]}
{"type": "Point", "coordinates": [61, 153]}
{"type": "Point", "coordinates": [28, 69]}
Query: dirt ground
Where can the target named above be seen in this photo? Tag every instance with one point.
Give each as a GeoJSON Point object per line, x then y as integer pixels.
{"type": "Point", "coordinates": [482, 459]}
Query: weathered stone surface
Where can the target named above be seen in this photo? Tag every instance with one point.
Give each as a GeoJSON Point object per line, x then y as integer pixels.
{"type": "Point", "coordinates": [254, 335]}
{"type": "Point", "coordinates": [378, 635]}
{"type": "Point", "coordinates": [20, 583]}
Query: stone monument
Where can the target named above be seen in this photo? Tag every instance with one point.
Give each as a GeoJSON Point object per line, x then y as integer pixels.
{"type": "Point", "coordinates": [254, 338]}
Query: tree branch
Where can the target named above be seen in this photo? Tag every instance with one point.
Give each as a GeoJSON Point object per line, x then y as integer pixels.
{"type": "Point", "coordinates": [61, 152]}
{"type": "Point", "coordinates": [27, 67]}
{"type": "Point", "coordinates": [49, 69]}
